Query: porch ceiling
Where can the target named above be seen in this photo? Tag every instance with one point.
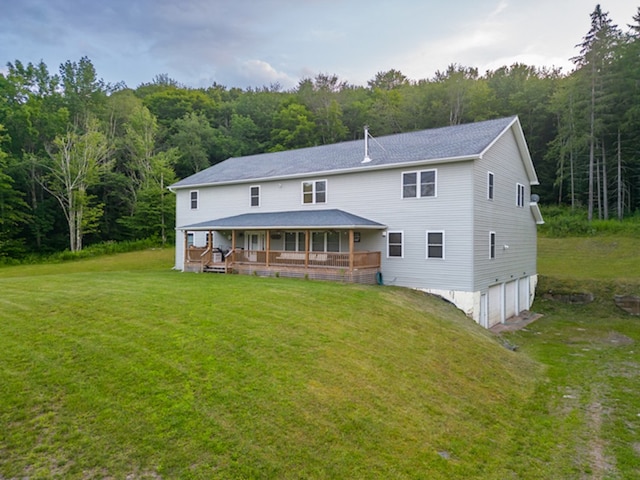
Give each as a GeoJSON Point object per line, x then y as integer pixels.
{"type": "Point", "coordinates": [300, 219]}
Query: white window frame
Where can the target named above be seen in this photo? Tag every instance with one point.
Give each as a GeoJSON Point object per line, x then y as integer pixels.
{"type": "Point", "coordinates": [492, 245]}
{"type": "Point", "coordinates": [491, 185]}
{"type": "Point", "coordinates": [435, 244]}
{"type": "Point", "coordinates": [418, 184]}
{"type": "Point", "coordinates": [520, 195]}
{"type": "Point", "coordinates": [314, 191]}
{"type": "Point", "coordinates": [193, 199]}
{"type": "Point", "coordinates": [252, 196]}
{"type": "Point", "coordinates": [391, 232]}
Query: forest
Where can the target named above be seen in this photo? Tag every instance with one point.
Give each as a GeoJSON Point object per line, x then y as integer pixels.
{"type": "Point", "coordinates": [83, 161]}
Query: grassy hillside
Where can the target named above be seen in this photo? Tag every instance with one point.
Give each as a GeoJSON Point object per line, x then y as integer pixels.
{"type": "Point", "coordinates": [605, 257]}
{"type": "Point", "coordinates": [118, 372]}
{"type": "Point", "coordinates": [119, 367]}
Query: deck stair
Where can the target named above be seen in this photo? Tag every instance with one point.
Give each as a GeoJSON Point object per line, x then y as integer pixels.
{"type": "Point", "coordinates": [215, 268]}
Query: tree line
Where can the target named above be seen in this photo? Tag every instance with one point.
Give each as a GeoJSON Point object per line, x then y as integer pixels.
{"type": "Point", "coordinates": [83, 161]}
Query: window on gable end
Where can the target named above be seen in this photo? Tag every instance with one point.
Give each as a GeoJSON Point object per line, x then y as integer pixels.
{"type": "Point", "coordinates": [520, 195]}
{"type": "Point", "coordinates": [490, 185]}
{"type": "Point", "coordinates": [492, 244]}
{"type": "Point", "coordinates": [255, 195]}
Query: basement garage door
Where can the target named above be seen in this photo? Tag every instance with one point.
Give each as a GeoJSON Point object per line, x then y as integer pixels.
{"type": "Point", "coordinates": [495, 305]}
{"type": "Point", "coordinates": [523, 293]}
{"type": "Point", "coordinates": [510, 296]}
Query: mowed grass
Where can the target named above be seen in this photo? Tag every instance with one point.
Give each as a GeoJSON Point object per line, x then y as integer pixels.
{"type": "Point", "coordinates": [605, 257]}
{"type": "Point", "coordinates": [118, 367]}
{"type": "Point", "coordinates": [592, 355]}
{"type": "Point", "coordinates": [118, 372]}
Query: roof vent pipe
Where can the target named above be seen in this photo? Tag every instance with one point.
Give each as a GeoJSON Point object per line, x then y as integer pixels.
{"type": "Point", "coordinates": [367, 159]}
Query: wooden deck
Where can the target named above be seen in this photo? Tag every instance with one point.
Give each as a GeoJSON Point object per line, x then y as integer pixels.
{"type": "Point", "coordinates": [359, 267]}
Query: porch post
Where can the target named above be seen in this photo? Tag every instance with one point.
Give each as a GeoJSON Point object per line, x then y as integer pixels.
{"type": "Point", "coordinates": [351, 249]}
{"type": "Point", "coordinates": [186, 245]}
{"type": "Point", "coordinates": [268, 245]}
{"type": "Point", "coordinates": [210, 240]}
{"type": "Point", "coordinates": [233, 245]}
{"type": "Point", "coordinates": [306, 248]}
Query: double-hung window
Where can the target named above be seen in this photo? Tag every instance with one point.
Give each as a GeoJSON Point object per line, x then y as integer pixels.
{"type": "Point", "coordinates": [254, 193]}
{"type": "Point", "coordinates": [314, 191]}
{"type": "Point", "coordinates": [435, 245]}
{"type": "Point", "coordinates": [492, 244]}
{"type": "Point", "coordinates": [193, 199]}
{"type": "Point", "coordinates": [394, 244]}
{"type": "Point", "coordinates": [490, 185]}
{"type": "Point", "coordinates": [520, 194]}
{"type": "Point", "coordinates": [419, 184]}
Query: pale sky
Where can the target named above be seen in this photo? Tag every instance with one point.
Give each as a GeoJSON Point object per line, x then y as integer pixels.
{"type": "Point", "coordinates": [254, 43]}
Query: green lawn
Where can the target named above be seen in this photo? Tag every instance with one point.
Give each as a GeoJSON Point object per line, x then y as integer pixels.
{"type": "Point", "coordinates": [118, 367]}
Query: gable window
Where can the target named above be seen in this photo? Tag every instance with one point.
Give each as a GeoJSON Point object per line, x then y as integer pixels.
{"type": "Point", "coordinates": [419, 184]}
{"type": "Point", "coordinates": [193, 199]}
{"type": "Point", "coordinates": [294, 241]}
{"type": "Point", "coordinates": [492, 244]}
{"type": "Point", "coordinates": [254, 192]}
{"type": "Point", "coordinates": [394, 244]}
{"type": "Point", "coordinates": [435, 245]}
{"type": "Point", "coordinates": [314, 192]}
{"type": "Point", "coordinates": [490, 180]}
{"type": "Point", "coordinates": [520, 195]}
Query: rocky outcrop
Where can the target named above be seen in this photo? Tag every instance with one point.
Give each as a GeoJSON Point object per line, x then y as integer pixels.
{"type": "Point", "coordinates": [571, 298]}
{"type": "Point", "coordinates": [628, 303]}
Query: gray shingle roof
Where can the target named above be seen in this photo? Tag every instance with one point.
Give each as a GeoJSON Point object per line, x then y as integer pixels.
{"type": "Point", "coordinates": [336, 219]}
{"type": "Point", "coordinates": [460, 141]}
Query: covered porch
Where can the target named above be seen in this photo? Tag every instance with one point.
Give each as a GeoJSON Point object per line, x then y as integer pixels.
{"type": "Point", "coordinates": [318, 244]}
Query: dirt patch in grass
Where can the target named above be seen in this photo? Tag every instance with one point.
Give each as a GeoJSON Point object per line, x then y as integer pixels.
{"type": "Point", "coordinates": [601, 464]}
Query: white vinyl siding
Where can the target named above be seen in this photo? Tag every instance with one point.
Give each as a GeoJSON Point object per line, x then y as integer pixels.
{"type": "Point", "coordinates": [513, 225]}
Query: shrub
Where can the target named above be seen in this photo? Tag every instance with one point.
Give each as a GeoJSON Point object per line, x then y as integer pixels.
{"type": "Point", "coordinates": [563, 222]}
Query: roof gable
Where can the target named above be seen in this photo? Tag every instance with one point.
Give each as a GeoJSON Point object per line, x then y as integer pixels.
{"type": "Point", "coordinates": [459, 142]}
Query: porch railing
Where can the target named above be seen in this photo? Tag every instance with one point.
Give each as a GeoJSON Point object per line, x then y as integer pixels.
{"type": "Point", "coordinates": [199, 257]}
{"type": "Point", "coordinates": [302, 259]}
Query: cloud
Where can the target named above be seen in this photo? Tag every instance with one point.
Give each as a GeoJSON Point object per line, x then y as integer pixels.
{"type": "Point", "coordinates": [259, 72]}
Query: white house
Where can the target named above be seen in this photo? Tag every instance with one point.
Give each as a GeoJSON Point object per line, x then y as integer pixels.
{"type": "Point", "coordinates": [444, 210]}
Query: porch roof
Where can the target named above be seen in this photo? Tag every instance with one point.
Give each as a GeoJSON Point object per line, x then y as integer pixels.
{"type": "Point", "coordinates": [300, 219]}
